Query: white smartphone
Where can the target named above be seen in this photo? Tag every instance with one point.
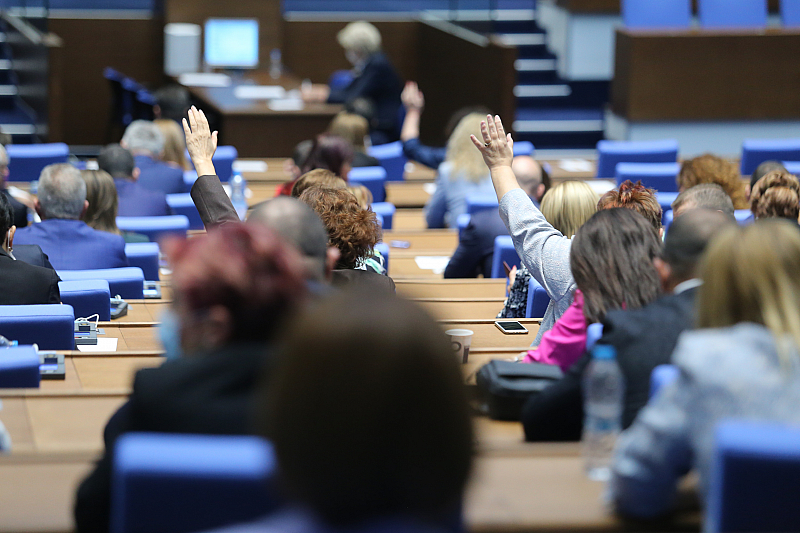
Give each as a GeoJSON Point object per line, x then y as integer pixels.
{"type": "Point", "coordinates": [510, 327]}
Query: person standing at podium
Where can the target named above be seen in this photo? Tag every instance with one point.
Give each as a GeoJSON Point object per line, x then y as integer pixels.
{"type": "Point", "coordinates": [374, 79]}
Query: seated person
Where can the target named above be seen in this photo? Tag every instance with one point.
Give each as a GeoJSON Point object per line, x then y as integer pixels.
{"type": "Point", "coordinates": [69, 243]}
{"type": "Point", "coordinates": [172, 102]}
{"type": "Point", "coordinates": [294, 166]}
{"type": "Point", "coordinates": [174, 143]}
{"type": "Point", "coordinates": [233, 290]}
{"type": "Point", "coordinates": [396, 457]}
{"type": "Point", "coordinates": [20, 282]}
{"type": "Point", "coordinates": [709, 168]}
{"type": "Point", "coordinates": [20, 210]}
{"type": "Point", "coordinates": [374, 78]}
{"type": "Point", "coordinates": [762, 170]}
{"type": "Point", "coordinates": [328, 152]}
{"type": "Point", "coordinates": [704, 196]}
{"type": "Point", "coordinates": [134, 199]}
{"type": "Point", "coordinates": [146, 143]}
{"type": "Point", "coordinates": [101, 193]}
{"type": "Point", "coordinates": [355, 130]}
{"type": "Point", "coordinates": [776, 195]}
{"type": "Point", "coordinates": [317, 178]}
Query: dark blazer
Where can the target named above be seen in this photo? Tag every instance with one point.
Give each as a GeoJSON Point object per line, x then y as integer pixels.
{"type": "Point", "coordinates": [362, 280]}
{"type": "Point", "coordinates": [32, 254]}
{"type": "Point", "coordinates": [136, 201]}
{"type": "Point", "coordinates": [212, 203]}
{"type": "Point", "coordinates": [156, 175]}
{"type": "Point", "coordinates": [476, 246]}
{"type": "Point", "coordinates": [20, 212]}
{"type": "Point", "coordinates": [644, 338]}
{"type": "Point", "coordinates": [72, 245]}
{"type": "Point", "coordinates": [206, 393]}
{"type": "Point", "coordinates": [24, 284]}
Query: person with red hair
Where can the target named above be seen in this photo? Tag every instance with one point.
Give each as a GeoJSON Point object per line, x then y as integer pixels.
{"type": "Point", "coordinates": [233, 290]}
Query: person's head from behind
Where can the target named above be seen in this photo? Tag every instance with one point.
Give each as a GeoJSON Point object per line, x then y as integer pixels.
{"type": "Point", "coordinates": [568, 205]}
{"type": "Point", "coordinates": [611, 259]}
{"type": "Point", "coordinates": [330, 152]}
{"type": "Point", "coordinates": [118, 162]}
{"type": "Point", "coordinates": [462, 112]}
{"type": "Point", "coordinates": [172, 102]}
{"type": "Point", "coordinates": [776, 195]}
{"type": "Point", "coordinates": [317, 178]}
{"type": "Point", "coordinates": [7, 227]}
{"type": "Point", "coordinates": [531, 176]}
{"type": "Point", "coordinates": [467, 163]}
{"type": "Point", "coordinates": [762, 170]}
{"type": "Point", "coordinates": [62, 193]}
{"type": "Point", "coordinates": [377, 388]}
{"type": "Point", "coordinates": [360, 40]}
{"type": "Point", "coordinates": [686, 240]}
{"type": "Point", "coordinates": [294, 165]}
{"type": "Point", "coordinates": [143, 137]}
{"type": "Point", "coordinates": [350, 127]}
{"type": "Point", "coordinates": [704, 196]}
{"type": "Point", "coordinates": [174, 142]}
{"type": "Point", "coordinates": [637, 197]}
{"type": "Point", "coordinates": [362, 194]}
{"type": "Point", "coordinates": [234, 285]}
{"type": "Point", "coordinates": [750, 275]}
{"type": "Point", "coordinates": [103, 201]}
{"type": "Point", "coordinates": [709, 168]}
{"type": "Point", "coordinates": [352, 230]}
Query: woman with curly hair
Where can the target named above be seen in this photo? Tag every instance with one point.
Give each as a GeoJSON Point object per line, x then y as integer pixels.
{"type": "Point", "coordinates": [709, 168]}
{"type": "Point", "coordinates": [353, 231]}
{"type": "Point", "coordinates": [776, 195]}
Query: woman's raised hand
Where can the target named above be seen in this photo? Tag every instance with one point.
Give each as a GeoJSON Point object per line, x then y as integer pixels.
{"type": "Point", "coordinates": [200, 141]}
{"type": "Point", "coordinates": [497, 147]}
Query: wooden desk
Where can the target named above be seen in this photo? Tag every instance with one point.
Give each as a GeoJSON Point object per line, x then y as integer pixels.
{"type": "Point", "coordinates": [422, 240]}
{"type": "Point", "coordinates": [452, 288]}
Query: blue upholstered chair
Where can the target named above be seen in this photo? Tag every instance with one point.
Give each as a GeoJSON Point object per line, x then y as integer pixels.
{"type": "Point", "coordinates": [383, 249]}
{"type": "Point", "coordinates": [538, 300]}
{"type": "Point", "coordinates": [223, 160]}
{"type": "Point", "coordinates": [144, 255]}
{"type": "Point", "coordinates": [756, 151]}
{"type": "Point", "coordinates": [87, 297]}
{"type": "Point", "coordinates": [790, 13]}
{"type": "Point", "coordinates": [19, 367]}
{"type": "Point", "coordinates": [462, 221]}
{"type": "Point", "coordinates": [665, 200]}
{"type": "Point", "coordinates": [155, 227]}
{"type": "Point", "coordinates": [732, 13]}
{"type": "Point", "coordinates": [744, 216]}
{"type": "Point", "coordinates": [654, 14]}
{"type": "Point", "coordinates": [755, 478]}
{"type": "Point", "coordinates": [523, 148]}
{"type": "Point", "coordinates": [593, 334]}
{"type": "Point", "coordinates": [392, 159]}
{"type": "Point", "coordinates": [481, 203]}
{"type": "Point", "coordinates": [182, 204]}
{"type": "Point", "coordinates": [609, 153]}
{"type": "Point", "coordinates": [51, 326]}
{"type": "Point", "coordinates": [26, 161]}
{"type": "Point", "coordinates": [169, 483]}
{"type": "Point", "coordinates": [189, 177]}
{"type": "Point", "coordinates": [373, 178]}
{"type": "Point", "coordinates": [661, 376]}
{"type": "Point", "coordinates": [503, 251]}
{"type": "Point", "coordinates": [380, 219]}
{"type": "Point", "coordinates": [658, 176]}
{"type": "Point", "coordinates": [386, 210]}
{"type": "Point", "coordinates": [126, 282]}
{"type": "Point", "coordinates": [792, 166]}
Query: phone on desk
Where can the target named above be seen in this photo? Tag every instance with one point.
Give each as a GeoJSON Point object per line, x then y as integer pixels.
{"type": "Point", "coordinates": [510, 327]}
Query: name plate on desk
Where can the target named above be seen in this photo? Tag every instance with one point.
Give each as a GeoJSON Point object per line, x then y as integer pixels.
{"type": "Point", "coordinates": [204, 79]}
{"type": "Point", "coordinates": [259, 92]}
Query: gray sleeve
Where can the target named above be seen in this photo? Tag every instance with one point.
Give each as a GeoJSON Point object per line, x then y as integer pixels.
{"type": "Point", "coordinates": [543, 250]}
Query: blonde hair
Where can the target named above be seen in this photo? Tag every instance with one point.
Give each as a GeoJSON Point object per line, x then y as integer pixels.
{"type": "Point", "coordinates": [776, 195]}
{"type": "Point", "coordinates": [174, 142]}
{"type": "Point", "coordinates": [318, 177]}
{"type": "Point", "coordinates": [360, 36]}
{"type": "Point", "coordinates": [750, 275]}
{"type": "Point", "coordinates": [568, 205]}
{"type": "Point", "coordinates": [362, 194]}
{"type": "Point", "coordinates": [101, 193]}
{"type": "Point", "coordinates": [350, 127]}
{"type": "Point", "coordinates": [467, 162]}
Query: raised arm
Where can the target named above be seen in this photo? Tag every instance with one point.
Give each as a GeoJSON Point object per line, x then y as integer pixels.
{"type": "Point", "coordinates": [497, 150]}
{"type": "Point", "coordinates": [414, 102]}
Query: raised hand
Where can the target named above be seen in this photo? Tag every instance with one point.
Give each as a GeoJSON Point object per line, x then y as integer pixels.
{"type": "Point", "coordinates": [200, 141]}
{"type": "Point", "coordinates": [412, 97]}
{"type": "Point", "coordinates": [497, 147]}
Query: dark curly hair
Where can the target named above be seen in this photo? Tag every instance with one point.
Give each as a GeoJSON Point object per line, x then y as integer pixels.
{"type": "Point", "coordinates": [351, 229]}
{"type": "Point", "coordinates": [776, 195]}
{"type": "Point", "coordinates": [636, 197]}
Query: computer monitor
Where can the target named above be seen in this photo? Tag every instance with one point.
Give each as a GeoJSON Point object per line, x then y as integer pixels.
{"type": "Point", "coordinates": [231, 43]}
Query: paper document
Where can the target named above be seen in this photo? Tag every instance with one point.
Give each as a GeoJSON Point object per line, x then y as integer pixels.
{"type": "Point", "coordinates": [103, 345]}
{"type": "Point", "coordinates": [246, 165]}
{"type": "Point", "coordinates": [259, 92]}
{"type": "Point", "coordinates": [286, 104]}
{"type": "Point", "coordinates": [576, 165]}
{"type": "Point", "coordinates": [432, 262]}
{"type": "Point", "coordinates": [429, 188]}
{"type": "Point", "coordinates": [204, 79]}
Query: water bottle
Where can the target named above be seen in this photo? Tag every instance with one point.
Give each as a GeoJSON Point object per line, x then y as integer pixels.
{"type": "Point", "coordinates": [603, 393]}
{"type": "Point", "coordinates": [238, 186]}
{"type": "Point", "coordinates": [275, 64]}
{"type": "Point", "coordinates": [5, 343]}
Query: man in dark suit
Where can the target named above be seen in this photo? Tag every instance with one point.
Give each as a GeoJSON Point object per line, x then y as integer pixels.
{"type": "Point", "coordinates": [146, 143]}
{"type": "Point", "coordinates": [68, 242]}
{"type": "Point", "coordinates": [134, 200]}
{"type": "Point", "coordinates": [644, 338]}
{"type": "Point", "coordinates": [21, 283]}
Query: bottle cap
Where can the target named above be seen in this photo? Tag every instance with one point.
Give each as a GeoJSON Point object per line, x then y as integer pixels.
{"type": "Point", "coordinates": [603, 351]}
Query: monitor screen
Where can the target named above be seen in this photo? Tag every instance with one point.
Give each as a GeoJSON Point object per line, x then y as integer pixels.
{"type": "Point", "coordinates": [231, 43]}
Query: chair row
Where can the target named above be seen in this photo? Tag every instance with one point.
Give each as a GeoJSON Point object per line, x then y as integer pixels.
{"type": "Point", "coordinates": [655, 14]}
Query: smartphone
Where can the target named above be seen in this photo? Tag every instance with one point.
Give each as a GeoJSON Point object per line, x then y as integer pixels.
{"type": "Point", "coordinates": [510, 327]}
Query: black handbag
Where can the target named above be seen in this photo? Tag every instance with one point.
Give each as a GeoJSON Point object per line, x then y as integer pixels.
{"type": "Point", "coordinates": [503, 386]}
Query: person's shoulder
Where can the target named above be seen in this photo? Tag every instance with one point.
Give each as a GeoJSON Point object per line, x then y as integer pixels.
{"type": "Point", "coordinates": [719, 351]}
{"type": "Point", "coordinates": [362, 279]}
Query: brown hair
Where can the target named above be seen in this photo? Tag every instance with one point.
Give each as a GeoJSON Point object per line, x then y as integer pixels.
{"type": "Point", "coordinates": [351, 229]}
{"type": "Point", "coordinates": [174, 142]}
{"type": "Point", "coordinates": [709, 168]}
{"type": "Point", "coordinates": [101, 193]}
{"type": "Point", "coordinates": [330, 152]}
{"type": "Point", "coordinates": [362, 194]}
{"type": "Point", "coordinates": [317, 178]}
{"type": "Point", "coordinates": [636, 197]}
{"type": "Point", "coordinates": [350, 127]}
{"type": "Point", "coordinates": [776, 195]}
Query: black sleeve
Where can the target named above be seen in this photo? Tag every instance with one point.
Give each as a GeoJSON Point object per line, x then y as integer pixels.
{"type": "Point", "coordinates": [46, 262]}
{"type": "Point", "coordinates": [212, 203]}
{"type": "Point", "coordinates": [467, 258]}
{"type": "Point", "coordinates": [54, 296]}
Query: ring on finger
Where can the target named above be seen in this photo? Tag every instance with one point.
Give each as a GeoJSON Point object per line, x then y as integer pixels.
{"type": "Point", "coordinates": [487, 144]}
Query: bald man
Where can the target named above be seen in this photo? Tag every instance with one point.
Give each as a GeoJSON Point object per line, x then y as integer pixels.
{"type": "Point", "coordinates": [531, 176]}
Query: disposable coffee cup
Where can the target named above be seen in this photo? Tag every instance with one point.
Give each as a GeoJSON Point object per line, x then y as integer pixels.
{"type": "Point", "coordinates": [460, 340]}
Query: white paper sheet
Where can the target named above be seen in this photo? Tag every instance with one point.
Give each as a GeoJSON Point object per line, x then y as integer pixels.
{"type": "Point", "coordinates": [432, 262]}
{"type": "Point", "coordinates": [601, 186]}
{"type": "Point", "coordinates": [104, 344]}
{"type": "Point", "coordinates": [243, 166]}
{"type": "Point", "coordinates": [575, 165]}
{"type": "Point", "coordinates": [429, 188]}
{"type": "Point", "coordinates": [286, 104]}
{"type": "Point", "coordinates": [259, 92]}
{"type": "Point", "coordinates": [204, 79]}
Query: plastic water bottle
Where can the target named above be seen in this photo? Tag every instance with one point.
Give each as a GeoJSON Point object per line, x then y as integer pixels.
{"type": "Point", "coordinates": [238, 187]}
{"type": "Point", "coordinates": [275, 64]}
{"type": "Point", "coordinates": [603, 393]}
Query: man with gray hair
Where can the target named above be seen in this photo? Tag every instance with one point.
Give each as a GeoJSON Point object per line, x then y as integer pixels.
{"type": "Point", "coordinates": [146, 142]}
{"type": "Point", "coordinates": [704, 196]}
{"type": "Point", "coordinates": [68, 242]}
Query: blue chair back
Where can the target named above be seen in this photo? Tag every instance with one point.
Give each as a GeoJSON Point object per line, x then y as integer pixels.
{"type": "Point", "coordinates": [386, 210]}
{"type": "Point", "coordinates": [744, 216]}
{"type": "Point", "coordinates": [26, 161]}
{"type": "Point", "coordinates": [223, 160]}
{"type": "Point", "coordinates": [661, 376]}
{"type": "Point", "coordinates": [127, 282]}
{"type": "Point", "coordinates": [538, 300]}
{"type": "Point", "coordinates": [732, 13]}
{"type": "Point", "coordinates": [754, 478]}
{"type": "Point", "coordinates": [790, 13]}
{"type": "Point", "coordinates": [182, 204]}
{"type": "Point", "coordinates": [792, 166]}
{"type": "Point", "coordinates": [164, 483]}
{"type": "Point", "coordinates": [392, 159]}
{"type": "Point", "coordinates": [155, 227]}
{"type": "Point", "coordinates": [144, 255]}
{"type": "Point", "coordinates": [593, 334]}
{"type": "Point", "coordinates": [503, 251]}
{"type": "Point", "coordinates": [665, 200]}
{"type": "Point", "coordinates": [51, 326]}
{"type": "Point", "coordinates": [373, 178]}
{"type": "Point", "coordinates": [756, 151]}
{"type": "Point", "coordinates": [523, 148]}
{"type": "Point", "coordinates": [653, 14]}
{"type": "Point", "coordinates": [481, 203]}
{"type": "Point", "coordinates": [658, 176]}
{"type": "Point", "coordinates": [87, 297]}
{"type": "Point", "coordinates": [19, 367]}
{"type": "Point", "coordinates": [383, 249]}
{"type": "Point", "coordinates": [462, 221]}
{"type": "Point", "coordinates": [609, 153]}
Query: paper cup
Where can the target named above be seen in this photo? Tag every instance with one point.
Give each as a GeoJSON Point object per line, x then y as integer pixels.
{"type": "Point", "coordinates": [460, 339]}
